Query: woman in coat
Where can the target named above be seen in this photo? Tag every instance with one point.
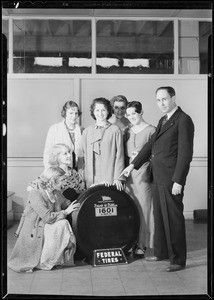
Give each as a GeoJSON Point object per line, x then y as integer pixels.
{"type": "Point", "coordinates": [45, 237]}
{"type": "Point", "coordinates": [103, 148]}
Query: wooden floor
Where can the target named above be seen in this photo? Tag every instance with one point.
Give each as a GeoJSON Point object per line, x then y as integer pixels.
{"type": "Point", "coordinates": [137, 278]}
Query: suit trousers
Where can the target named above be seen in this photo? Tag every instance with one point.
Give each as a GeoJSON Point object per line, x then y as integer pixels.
{"type": "Point", "coordinates": [170, 232]}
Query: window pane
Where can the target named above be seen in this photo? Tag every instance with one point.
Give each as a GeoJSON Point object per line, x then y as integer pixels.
{"type": "Point", "coordinates": [135, 47]}
{"type": "Point", "coordinates": [193, 47]}
{"type": "Point", "coordinates": [5, 30]}
{"type": "Point", "coordinates": [52, 46]}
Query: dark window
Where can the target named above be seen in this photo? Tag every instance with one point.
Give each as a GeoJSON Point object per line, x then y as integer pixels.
{"type": "Point", "coordinates": [135, 47]}
{"type": "Point", "coordinates": [52, 46]}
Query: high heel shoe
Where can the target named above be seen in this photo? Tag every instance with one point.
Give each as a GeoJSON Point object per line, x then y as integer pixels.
{"type": "Point", "coordinates": [140, 253]}
{"type": "Point", "coordinates": [132, 250]}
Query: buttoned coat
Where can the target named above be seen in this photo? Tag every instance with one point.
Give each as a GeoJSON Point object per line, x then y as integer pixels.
{"type": "Point", "coordinates": [112, 154]}
{"type": "Point", "coordinates": [170, 150]}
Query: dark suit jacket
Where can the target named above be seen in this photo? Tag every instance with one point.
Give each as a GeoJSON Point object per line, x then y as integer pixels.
{"type": "Point", "coordinates": [170, 150]}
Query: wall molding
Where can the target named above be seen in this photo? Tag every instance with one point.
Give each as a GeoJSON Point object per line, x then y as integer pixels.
{"type": "Point", "coordinates": [199, 162]}
{"type": "Point", "coordinates": [25, 162]}
{"type": "Point", "coordinates": [38, 162]}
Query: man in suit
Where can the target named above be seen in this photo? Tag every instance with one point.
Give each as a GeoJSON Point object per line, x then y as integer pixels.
{"type": "Point", "coordinates": [170, 151]}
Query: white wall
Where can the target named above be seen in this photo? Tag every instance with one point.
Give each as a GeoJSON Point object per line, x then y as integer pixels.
{"type": "Point", "coordinates": [35, 103]}
{"type": "Point", "coordinates": [191, 96]}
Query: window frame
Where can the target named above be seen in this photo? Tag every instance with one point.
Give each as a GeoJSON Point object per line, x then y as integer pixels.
{"type": "Point", "coordinates": [94, 20]}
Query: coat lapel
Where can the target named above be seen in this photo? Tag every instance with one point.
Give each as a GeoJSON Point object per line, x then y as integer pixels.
{"type": "Point", "coordinates": [169, 124]}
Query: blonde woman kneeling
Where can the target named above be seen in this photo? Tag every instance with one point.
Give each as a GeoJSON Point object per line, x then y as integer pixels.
{"type": "Point", "coordinates": [45, 237]}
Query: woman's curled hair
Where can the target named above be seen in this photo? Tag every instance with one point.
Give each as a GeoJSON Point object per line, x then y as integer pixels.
{"type": "Point", "coordinates": [56, 150]}
{"type": "Point", "coordinates": [137, 105]}
{"type": "Point", "coordinates": [103, 101]}
{"type": "Point", "coordinates": [67, 105]}
{"type": "Point", "coordinates": [51, 175]}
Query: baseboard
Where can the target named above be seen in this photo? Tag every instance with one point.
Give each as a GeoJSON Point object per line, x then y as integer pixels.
{"type": "Point", "coordinates": [200, 215]}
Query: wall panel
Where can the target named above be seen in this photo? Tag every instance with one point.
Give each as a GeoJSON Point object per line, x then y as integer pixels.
{"type": "Point", "coordinates": [191, 96]}
{"type": "Point", "coordinates": [34, 105]}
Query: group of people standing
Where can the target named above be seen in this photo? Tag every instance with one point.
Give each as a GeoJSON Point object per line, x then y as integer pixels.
{"type": "Point", "coordinates": [120, 148]}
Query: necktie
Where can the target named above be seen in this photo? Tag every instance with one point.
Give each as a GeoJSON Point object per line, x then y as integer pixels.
{"type": "Point", "coordinates": [165, 119]}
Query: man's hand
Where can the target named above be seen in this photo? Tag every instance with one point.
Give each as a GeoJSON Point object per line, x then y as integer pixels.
{"type": "Point", "coordinates": [127, 171]}
{"type": "Point", "coordinates": [176, 189]}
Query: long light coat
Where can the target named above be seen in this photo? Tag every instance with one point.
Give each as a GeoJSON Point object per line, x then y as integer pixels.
{"type": "Point", "coordinates": [39, 211]}
{"type": "Point", "coordinates": [112, 154]}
